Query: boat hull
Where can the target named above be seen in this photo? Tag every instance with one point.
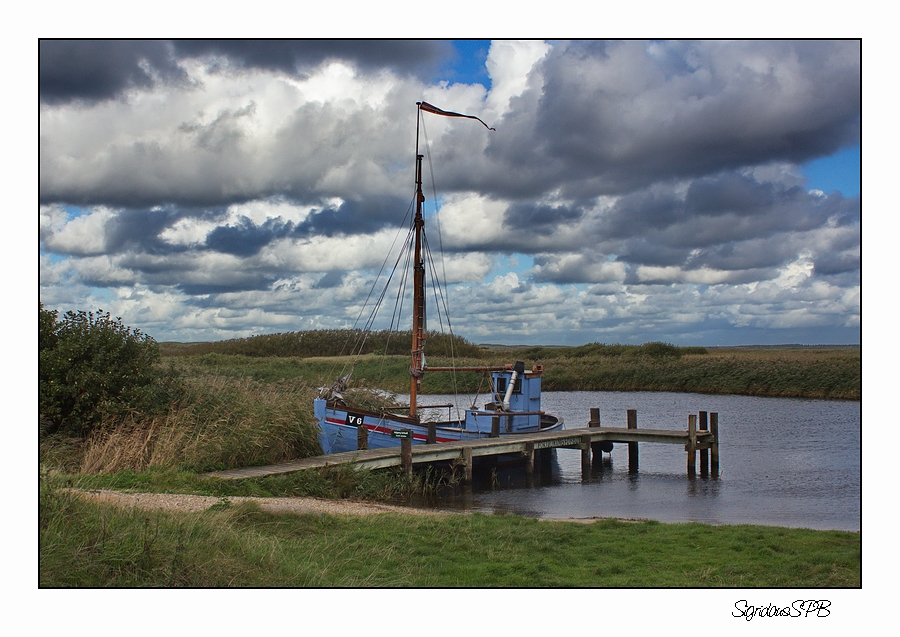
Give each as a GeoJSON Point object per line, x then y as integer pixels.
{"type": "Point", "coordinates": [339, 428]}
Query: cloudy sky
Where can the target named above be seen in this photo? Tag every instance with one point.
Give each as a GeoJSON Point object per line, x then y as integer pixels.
{"type": "Point", "coordinates": [703, 192]}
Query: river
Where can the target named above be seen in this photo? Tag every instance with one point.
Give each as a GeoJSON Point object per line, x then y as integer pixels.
{"type": "Point", "coordinates": [783, 462]}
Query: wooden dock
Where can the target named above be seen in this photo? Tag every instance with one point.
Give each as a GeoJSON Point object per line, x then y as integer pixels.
{"type": "Point", "coordinates": [590, 440]}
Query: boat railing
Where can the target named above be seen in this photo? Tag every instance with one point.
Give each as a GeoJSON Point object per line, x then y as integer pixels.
{"type": "Point", "coordinates": [406, 407]}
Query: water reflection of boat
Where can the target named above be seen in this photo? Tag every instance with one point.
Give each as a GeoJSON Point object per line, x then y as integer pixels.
{"type": "Point", "coordinates": [515, 395]}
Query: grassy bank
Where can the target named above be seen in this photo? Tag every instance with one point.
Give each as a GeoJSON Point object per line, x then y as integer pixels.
{"type": "Point", "coordinates": [89, 544]}
{"type": "Point", "coordinates": [832, 373]}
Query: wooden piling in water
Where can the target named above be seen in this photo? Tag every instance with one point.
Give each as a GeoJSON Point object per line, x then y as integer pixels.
{"type": "Point", "coordinates": [467, 465]}
{"type": "Point", "coordinates": [495, 426]}
{"type": "Point", "coordinates": [596, 447]}
{"type": "Point", "coordinates": [703, 426]}
{"type": "Point", "coordinates": [714, 448]}
{"type": "Point", "coordinates": [585, 457]}
{"type": "Point", "coordinates": [632, 446]}
{"type": "Point", "coordinates": [432, 433]}
{"type": "Point", "coordinates": [545, 463]}
{"type": "Point", "coordinates": [362, 438]}
{"type": "Point", "coordinates": [691, 446]}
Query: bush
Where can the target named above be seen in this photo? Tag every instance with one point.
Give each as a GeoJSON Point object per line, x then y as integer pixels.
{"type": "Point", "coordinates": [657, 349]}
{"type": "Point", "coordinates": [91, 366]}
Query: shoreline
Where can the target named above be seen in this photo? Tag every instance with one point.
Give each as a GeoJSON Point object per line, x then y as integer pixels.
{"type": "Point", "coordinates": [191, 503]}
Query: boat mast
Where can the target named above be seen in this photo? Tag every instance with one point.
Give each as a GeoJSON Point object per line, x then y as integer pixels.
{"type": "Point", "coordinates": [417, 365]}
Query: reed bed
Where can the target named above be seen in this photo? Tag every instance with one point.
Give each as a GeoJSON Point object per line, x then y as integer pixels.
{"type": "Point", "coordinates": [222, 422]}
{"type": "Point", "coordinates": [830, 373]}
{"type": "Point", "coordinates": [794, 373]}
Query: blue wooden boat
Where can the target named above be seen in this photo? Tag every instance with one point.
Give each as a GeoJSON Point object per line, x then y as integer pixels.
{"type": "Point", "coordinates": [513, 406]}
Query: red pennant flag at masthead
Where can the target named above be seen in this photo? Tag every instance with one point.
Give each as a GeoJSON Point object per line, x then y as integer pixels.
{"type": "Point", "coordinates": [428, 108]}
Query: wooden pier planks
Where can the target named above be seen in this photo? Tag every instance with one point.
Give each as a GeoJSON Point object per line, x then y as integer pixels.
{"type": "Point", "coordinates": [463, 450]}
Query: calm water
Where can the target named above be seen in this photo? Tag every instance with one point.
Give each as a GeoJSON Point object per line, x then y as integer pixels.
{"type": "Point", "coordinates": [784, 462]}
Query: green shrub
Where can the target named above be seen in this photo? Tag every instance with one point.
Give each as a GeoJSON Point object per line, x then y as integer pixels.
{"type": "Point", "coordinates": [91, 366]}
{"type": "Point", "coordinates": [660, 350]}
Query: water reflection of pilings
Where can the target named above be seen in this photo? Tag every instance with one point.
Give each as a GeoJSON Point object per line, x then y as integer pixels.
{"type": "Point", "coordinates": [634, 481]}
{"type": "Point", "coordinates": [600, 465]}
{"type": "Point", "coordinates": [703, 486]}
{"type": "Point", "coordinates": [545, 468]}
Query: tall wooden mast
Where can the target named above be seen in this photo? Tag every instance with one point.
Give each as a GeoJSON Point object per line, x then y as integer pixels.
{"type": "Point", "coordinates": [417, 365]}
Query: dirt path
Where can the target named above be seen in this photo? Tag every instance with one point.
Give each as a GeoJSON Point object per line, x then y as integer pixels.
{"type": "Point", "coordinates": [180, 502]}
{"type": "Point", "coordinates": [194, 503]}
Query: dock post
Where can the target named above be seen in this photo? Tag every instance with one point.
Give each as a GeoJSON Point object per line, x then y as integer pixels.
{"type": "Point", "coordinates": [703, 425]}
{"type": "Point", "coordinates": [529, 464]}
{"type": "Point", "coordinates": [467, 465]}
{"type": "Point", "coordinates": [632, 446]}
{"type": "Point", "coordinates": [545, 463]}
{"type": "Point", "coordinates": [692, 445]}
{"type": "Point", "coordinates": [362, 438]}
{"type": "Point", "coordinates": [406, 456]}
{"type": "Point", "coordinates": [586, 457]}
{"type": "Point", "coordinates": [495, 426]}
{"type": "Point", "coordinates": [596, 448]}
{"type": "Point", "coordinates": [432, 433]}
{"type": "Point", "coordinates": [714, 455]}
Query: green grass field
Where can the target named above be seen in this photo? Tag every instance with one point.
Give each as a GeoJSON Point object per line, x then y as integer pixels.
{"type": "Point", "coordinates": [92, 545]}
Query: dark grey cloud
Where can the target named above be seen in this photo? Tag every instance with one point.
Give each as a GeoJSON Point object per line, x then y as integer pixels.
{"type": "Point", "coordinates": [331, 279]}
{"type": "Point", "coordinates": [610, 117]}
{"type": "Point", "coordinates": [247, 238]}
{"type": "Point", "coordinates": [96, 70]}
{"type": "Point", "coordinates": [540, 219]}
{"type": "Point", "coordinates": [637, 213]}
{"type": "Point", "coordinates": [355, 217]}
{"type": "Point", "coordinates": [728, 193]}
{"type": "Point", "coordinates": [138, 230]}
{"type": "Point", "coordinates": [295, 56]}
{"type": "Point", "coordinates": [188, 273]}
{"type": "Point", "coordinates": [657, 224]}
{"type": "Point", "coordinates": [837, 263]}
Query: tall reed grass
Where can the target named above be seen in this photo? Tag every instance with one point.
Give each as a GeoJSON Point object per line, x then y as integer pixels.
{"type": "Point", "coordinates": [815, 372]}
{"type": "Point", "coordinates": [222, 422]}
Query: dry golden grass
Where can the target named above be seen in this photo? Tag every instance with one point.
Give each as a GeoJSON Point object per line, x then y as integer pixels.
{"type": "Point", "coordinates": [224, 422]}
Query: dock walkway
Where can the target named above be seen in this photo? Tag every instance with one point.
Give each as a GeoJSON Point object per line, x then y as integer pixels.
{"type": "Point", "coordinates": [587, 439]}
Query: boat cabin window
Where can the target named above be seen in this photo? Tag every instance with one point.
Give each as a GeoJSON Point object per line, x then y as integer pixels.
{"type": "Point", "coordinates": [501, 385]}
